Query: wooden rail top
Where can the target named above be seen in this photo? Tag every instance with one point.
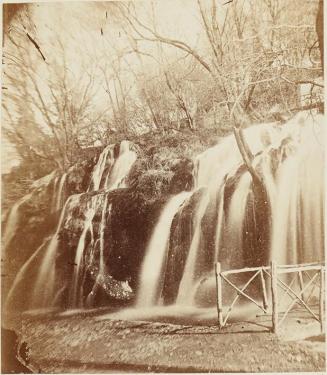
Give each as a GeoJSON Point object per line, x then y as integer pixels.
{"type": "Point", "coordinates": [287, 268]}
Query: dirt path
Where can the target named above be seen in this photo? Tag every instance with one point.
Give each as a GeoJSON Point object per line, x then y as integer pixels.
{"type": "Point", "coordinates": [85, 344]}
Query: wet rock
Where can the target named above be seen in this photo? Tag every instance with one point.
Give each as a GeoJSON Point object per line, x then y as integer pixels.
{"type": "Point", "coordinates": [182, 179]}
{"type": "Point", "coordinates": [179, 243]}
{"type": "Point", "coordinates": [119, 290]}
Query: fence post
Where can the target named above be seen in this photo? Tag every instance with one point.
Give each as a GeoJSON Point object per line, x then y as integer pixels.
{"type": "Point", "coordinates": [274, 297]}
{"type": "Point", "coordinates": [321, 299]}
{"type": "Point", "coordinates": [301, 284]}
{"type": "Point", "coordinates": [219, 295]}
{"type": "Point", "coordinates": [264, 292]}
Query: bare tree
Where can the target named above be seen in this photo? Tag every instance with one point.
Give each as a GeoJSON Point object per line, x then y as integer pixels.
{"type": "Point", "coordinates": [241, 56]}
{"type": "Point", "coordinates": [54, 109]}
{"type": "Point", "coordinates": [185, 99]}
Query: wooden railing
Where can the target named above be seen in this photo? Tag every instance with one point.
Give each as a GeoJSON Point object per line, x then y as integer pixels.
{"type": "Point", "coordinates": [272, 301]}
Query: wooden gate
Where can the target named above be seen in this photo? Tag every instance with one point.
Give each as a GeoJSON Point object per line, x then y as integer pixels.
{"type": "Point", "coordinates": [310, 277]}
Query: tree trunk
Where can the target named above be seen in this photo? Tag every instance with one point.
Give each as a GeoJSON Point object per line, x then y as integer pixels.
{"type": "Point", "coordinates": [320, 31]}
{"type": "Point", "coordinates": [262, 208]}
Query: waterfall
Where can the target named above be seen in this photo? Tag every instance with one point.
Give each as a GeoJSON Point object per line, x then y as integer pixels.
{"type": "Point", "coordinates": [60, 193]}
{"type": "Point", "coordinates": [186, 292]}
{"type": "Point", "coordinates": [297, 227]}
{"type": "Point", "coordinates": [106, 211]}
{"type": "Point", "coordinates": [153, 265]}
{"type": "Point", "coordinates": [220, 222]}
{"type": "Point", "coordinates": [54, 194]}
{"type": "Point", "coordinates": [19, 279]}
{"type": "Point", "coordinates": [212, 167]}
{"type": "Point", "coordinates": [100, 167]}
{"type": "Point", "coordinates": [236, 212]}
{"type": "Point", "coordinates": [75, 295]}
{"type": "Point", "coordinates": [113, 172]}
{"type": "Point", "coordinates": [13, 221]}
{"type": "Point", "coordinates": [45, 283]}
{"type": "Point", "coordinates": [290, 161]}
{"type": "Point", "coordinates": [221, 219]}
{"type": "Point", "coordinates": [116, 178]}
{"type": "Point", "coordinates": [117, 169]}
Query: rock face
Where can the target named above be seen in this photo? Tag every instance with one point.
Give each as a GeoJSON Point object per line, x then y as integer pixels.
{"type": "Point", "coordinates": [183, 178]}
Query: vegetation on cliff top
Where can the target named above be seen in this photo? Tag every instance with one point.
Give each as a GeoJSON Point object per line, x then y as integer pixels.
{"type": "Point", "coordinates": [128, 72]}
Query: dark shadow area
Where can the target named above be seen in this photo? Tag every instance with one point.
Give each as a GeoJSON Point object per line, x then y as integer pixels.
{"type": "Point", "coordinates": [132, 368]}
{"type": "Point", "coordinates": [9, 346]}
{"type": "Point", "coordinates": [318, 338]}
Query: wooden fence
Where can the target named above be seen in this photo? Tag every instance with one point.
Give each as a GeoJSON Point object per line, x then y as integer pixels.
{"type": "Point", "coordinates": [306, 274]}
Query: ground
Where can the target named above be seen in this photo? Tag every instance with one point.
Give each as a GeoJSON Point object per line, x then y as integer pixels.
{"type": "Point", "coordinates": [82, 343]}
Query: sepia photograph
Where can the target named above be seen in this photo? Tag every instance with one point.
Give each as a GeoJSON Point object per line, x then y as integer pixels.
{"type": "Point", "coordinates": [163, 186]}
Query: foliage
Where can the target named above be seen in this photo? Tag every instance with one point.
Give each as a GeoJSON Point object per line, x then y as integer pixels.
{"type": "Point", "coordinates": [160, 154]}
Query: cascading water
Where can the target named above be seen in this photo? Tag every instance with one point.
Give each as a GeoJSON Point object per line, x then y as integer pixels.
{"type": "Point", "coordinates": [13, 220]}
{"type": "Point", "coordinates": [297, 226]}
{"type": "Point", "coordinates": [116, 178]}
{"type": "Point", "coordinates": [45, 282]}
{"type": "Point", "coordinates": [236, 211]}
{"type": "Point", "coordinates": [220, 222]}
{"type": "Point", "coordinates": [291, 163]}
{"type": "Point", "coordinates": [100, 167]}
{"type": "Point", "coordinates": [116, 171]}
{"type": "Point", "coordinates": [75, 297]}
{"type": "Point", "coordinates": [221, 219]}
{"type": "Point", "coordinates": [54, 195]}
{"type": "Point", "coordinates": [106, 211]}
{"type": "Point", "coordinates": [60, 194]}
{"type": "Point", "coordinates": [153, 265]}
{"type": "Point", "coordinates": [185, 291]}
